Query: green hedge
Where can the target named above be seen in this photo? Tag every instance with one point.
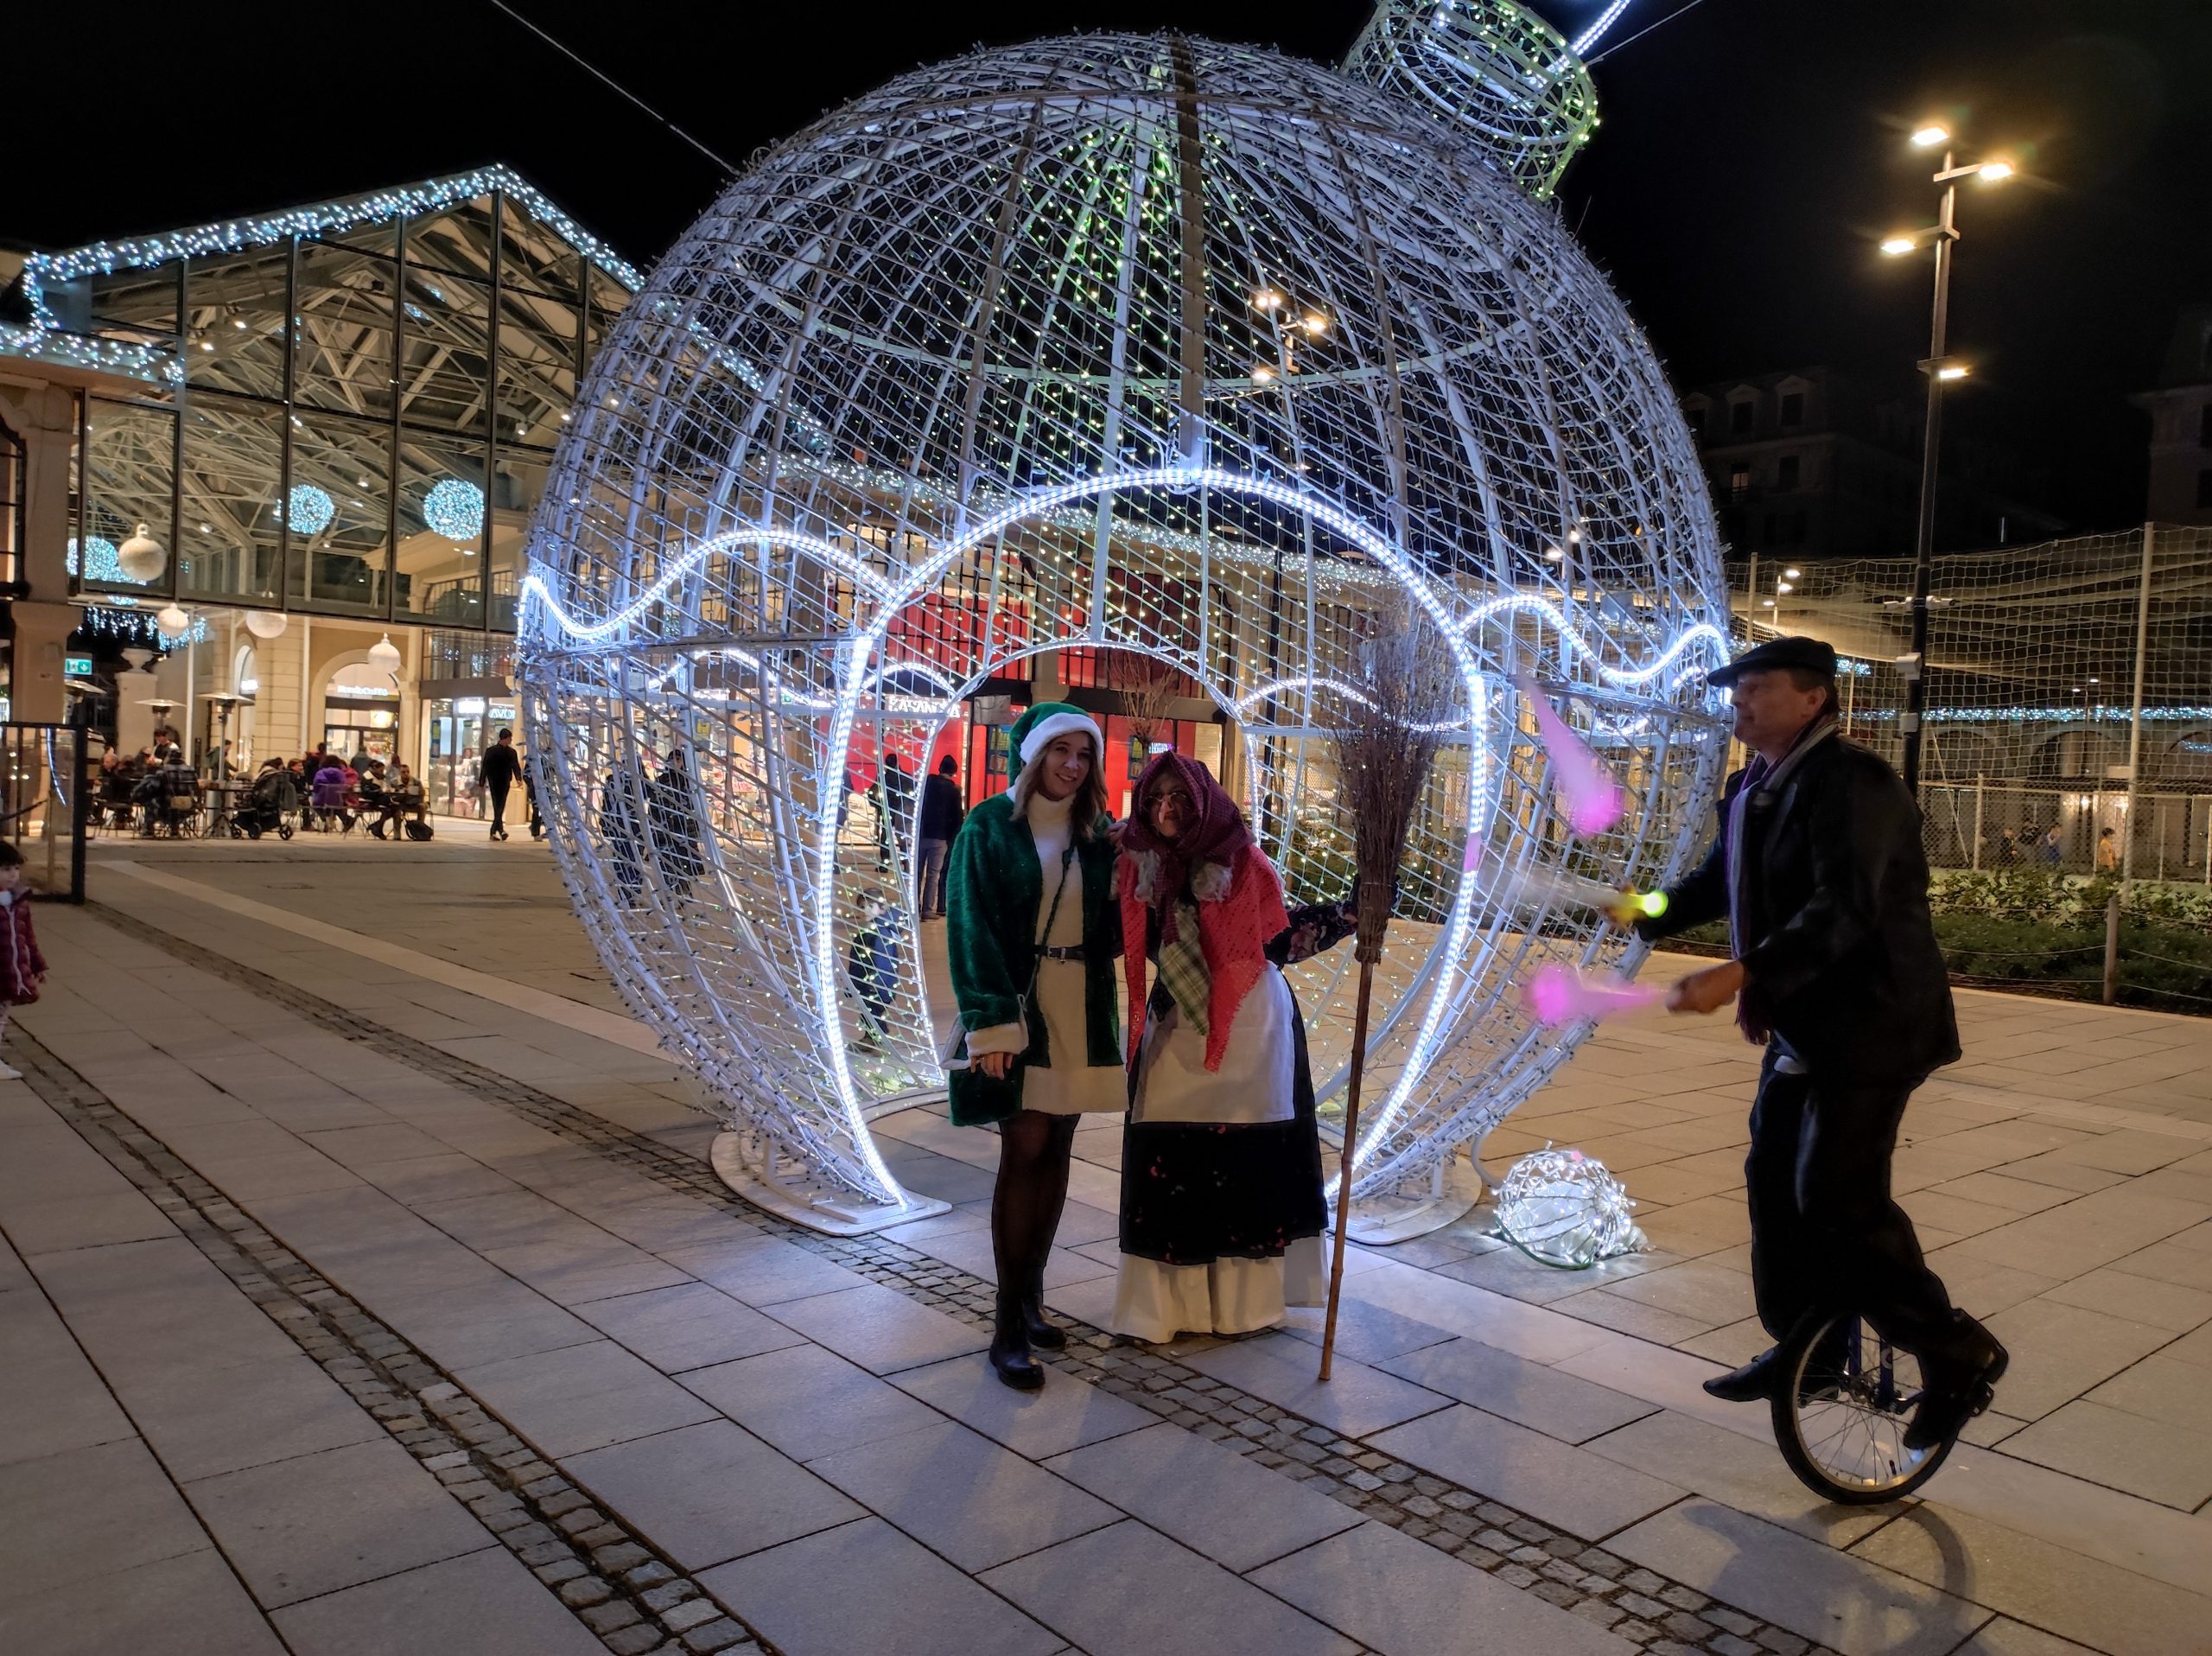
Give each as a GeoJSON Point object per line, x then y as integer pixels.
{"type": "Point", "coordinates": [2044, 933]}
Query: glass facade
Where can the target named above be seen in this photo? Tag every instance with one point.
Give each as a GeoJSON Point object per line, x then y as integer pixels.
{"type": "Point", "coordinates": [459, 729]}
{"type": "Point", "coordinates": [362, 421]}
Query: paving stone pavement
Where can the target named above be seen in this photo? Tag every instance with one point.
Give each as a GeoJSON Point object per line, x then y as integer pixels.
{"type": "Point", "coordinates": [1461, 1446]}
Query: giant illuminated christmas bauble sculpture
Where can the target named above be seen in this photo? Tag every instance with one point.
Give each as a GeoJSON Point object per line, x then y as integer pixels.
{"type": "Point", "coordinates": [1116, 344]}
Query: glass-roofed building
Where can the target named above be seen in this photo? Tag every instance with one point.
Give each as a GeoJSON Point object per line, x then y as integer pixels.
{"type": "Point", "coordinates": [309, 488]}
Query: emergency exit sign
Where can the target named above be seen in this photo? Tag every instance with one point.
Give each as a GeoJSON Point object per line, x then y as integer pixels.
{"type": "Point", "coordinates": [77, 666]}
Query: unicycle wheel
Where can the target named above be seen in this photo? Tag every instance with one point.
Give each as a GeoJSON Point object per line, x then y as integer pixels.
{"type": "Point", "coordinates": [1840, 1417]}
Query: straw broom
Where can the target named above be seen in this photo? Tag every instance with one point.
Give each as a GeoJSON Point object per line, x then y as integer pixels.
{"type": "Point", "coordinates": [1385, 748]}
{"type": "Point", "coordinates": [1149, 697]}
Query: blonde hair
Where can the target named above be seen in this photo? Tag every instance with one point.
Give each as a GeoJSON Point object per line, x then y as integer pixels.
{"type": "Point", "coordinates": [1090, 803]}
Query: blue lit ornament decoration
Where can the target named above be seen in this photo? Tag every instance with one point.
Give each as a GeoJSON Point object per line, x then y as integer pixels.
{"type": "Point", "coordinates": [454, 509]}
{"type": "Point", "coordinates": [1561, 1207]}
{"type": "Point", "coordinates": [100, 560]}
{"type": "Point", "coordinates": [1127, 343]}
{"type": "Point", "coordinates": [309, 510]}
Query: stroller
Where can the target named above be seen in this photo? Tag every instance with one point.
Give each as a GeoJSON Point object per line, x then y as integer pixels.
{"type": "Point", "coordinates": [271, 804]}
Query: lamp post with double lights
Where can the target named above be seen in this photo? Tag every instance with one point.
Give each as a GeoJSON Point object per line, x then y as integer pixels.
{"type": "Point", "coordinates": [1940, 370]}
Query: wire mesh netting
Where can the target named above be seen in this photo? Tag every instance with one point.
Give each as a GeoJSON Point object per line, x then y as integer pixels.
{"type": "Point", "coordinates": [1124, 346]}
{"type": "Point", "coordinates": [2069, 693]}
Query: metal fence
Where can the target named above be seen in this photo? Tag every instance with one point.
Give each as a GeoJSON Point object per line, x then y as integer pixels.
{"type": "Point", "coordinates": [46, 785]}
{"type": "Point", "coordinates": [2069, 692]}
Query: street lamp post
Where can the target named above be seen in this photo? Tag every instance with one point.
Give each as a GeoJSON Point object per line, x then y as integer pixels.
{"type": "Point", "coordinates": [1939, 369]}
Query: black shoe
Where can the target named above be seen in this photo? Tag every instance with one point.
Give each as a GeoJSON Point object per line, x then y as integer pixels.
{"type": "Point", "coordinates": [1958, 1388]}
{"type": "Point", "coordinates": [1756, 1381]}
{"type": "Point", "coordinates": [374, 828]}
{"type": "Point", "coordinates": [1009, 1351]}
{"type": "Point", "coordinates": [1043, 1335]}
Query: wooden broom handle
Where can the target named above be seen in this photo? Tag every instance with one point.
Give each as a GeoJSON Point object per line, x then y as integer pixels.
{"type": "Point", "coordinates": [1343, 1161]}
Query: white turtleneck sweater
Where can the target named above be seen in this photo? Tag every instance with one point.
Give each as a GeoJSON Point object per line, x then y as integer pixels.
{"type": "Point", "coordinates": [1070, 1085]}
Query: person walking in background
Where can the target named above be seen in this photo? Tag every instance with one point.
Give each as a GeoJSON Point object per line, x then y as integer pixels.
{"type": "Point", "coordinates": [502, 769]}
{"type": "Point", "coordinates": [894, 797]}
{"type": "Point", "coordinates": [1835, 969]}
{"type": "Point", "coordinates": [673, 817]}
{"type": "Point", "coordinates": [2054, 848]}
{"type": "Point", "coordinates": [531, 781]}
{"type": "Point", "coordinates": [621, 828]}
{"type": "Point", "coordinates": [872, 964]}
{"type": "Point", "coordinates": [23, 968]}
{"type": "Point", "coordinates": [2107, 851]}
{"type": "Point", "coordinates": [942, 814]}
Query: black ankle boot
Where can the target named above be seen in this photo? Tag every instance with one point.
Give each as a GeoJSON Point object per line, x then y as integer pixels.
{"type": "Point", "coordinates": [1009, 1353]}
{"type": "Point", "coordinates": [1043, 1335]}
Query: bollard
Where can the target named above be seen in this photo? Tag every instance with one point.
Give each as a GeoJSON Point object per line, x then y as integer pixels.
{"type": "Point", "coordinates": [2111, 949]}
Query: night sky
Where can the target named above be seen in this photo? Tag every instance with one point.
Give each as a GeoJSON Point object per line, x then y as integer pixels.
{"type": "Point", "coordinates": [1751, 151]}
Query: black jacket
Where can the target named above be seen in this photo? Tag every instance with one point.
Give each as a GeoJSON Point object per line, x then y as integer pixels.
{"type": "Point", "coordinates": [941, 807]}
{"type": "Point", "coordinates": [1838, 947]}
{"type": "Point", "coordinates": [502, 765]}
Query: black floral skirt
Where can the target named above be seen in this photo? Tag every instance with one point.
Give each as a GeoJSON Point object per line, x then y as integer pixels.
{"type": "Point", "coordinates": [1193, 1191]}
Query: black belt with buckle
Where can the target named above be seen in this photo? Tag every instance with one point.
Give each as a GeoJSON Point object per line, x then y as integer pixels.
{"type": "Point", "coordinates": [1064, 952]}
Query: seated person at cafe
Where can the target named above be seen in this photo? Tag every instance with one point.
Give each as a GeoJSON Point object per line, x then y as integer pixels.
{"type": "Point", "coordinates": [399, 796]}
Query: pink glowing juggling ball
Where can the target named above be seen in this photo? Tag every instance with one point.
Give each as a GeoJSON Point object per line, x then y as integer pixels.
{"type": "Point", "coordinates": [1590, 799]}
{"type": "Point", "coordinates": [1560, 994]}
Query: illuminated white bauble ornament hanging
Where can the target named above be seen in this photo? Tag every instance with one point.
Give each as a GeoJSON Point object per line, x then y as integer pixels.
{"type": "Point", "coordinates": [384, 655]}
{"type": "Point", "coordinates": [454, 509]}
{"type": "Point", "coordinates": [1127, 343]}
{"type": "Point", "coordinates": [310, 510]}
{"type": "Point", "coordinates": [172, 622]}
{"type": "Point", "coordinates": [142, 557]}
{"type": "Point", "coordinates": [267, 623]}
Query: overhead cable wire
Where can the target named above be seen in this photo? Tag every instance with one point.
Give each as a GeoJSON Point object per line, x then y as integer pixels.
{"type": "Point", "coordinates": [599, 74]}
{"type": "Point", "coordinates": [1591, 63]}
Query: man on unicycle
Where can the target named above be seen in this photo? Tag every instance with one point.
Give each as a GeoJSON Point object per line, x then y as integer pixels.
{"type": "Point", "coordinates": [1835, 971]}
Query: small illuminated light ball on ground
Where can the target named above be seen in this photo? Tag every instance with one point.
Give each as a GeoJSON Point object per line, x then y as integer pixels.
{"type": "Point", "coordinates": [454, 509]}
{"type": "Point", "coordinates": [309, 510]}
{"type": "Point", "coordinates": [1138, 345]}
{"type": "Point", "coordinates": [1562, 1208]}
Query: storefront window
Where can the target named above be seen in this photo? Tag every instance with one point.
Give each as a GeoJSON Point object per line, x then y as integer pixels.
{"type": "Point", "coordinates": [361, 713]}
{"type": "Point", "coordinates": [459, 729]}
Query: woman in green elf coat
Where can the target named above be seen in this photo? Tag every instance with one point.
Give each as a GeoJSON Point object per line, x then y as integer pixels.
{"type": "Point", "coordinates": [1032, 932]}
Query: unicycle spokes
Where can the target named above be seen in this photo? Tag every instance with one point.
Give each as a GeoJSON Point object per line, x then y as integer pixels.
{"type": "Point", "coordinates": [1842, 1416]}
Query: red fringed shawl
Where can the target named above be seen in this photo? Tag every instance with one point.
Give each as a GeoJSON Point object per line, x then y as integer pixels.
{"type": "Point", "coordinates": [1234, 931]}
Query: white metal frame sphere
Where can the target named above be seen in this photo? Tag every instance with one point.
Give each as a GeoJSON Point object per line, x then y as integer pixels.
{"type": "Point", "coordinates": [1125, 343]}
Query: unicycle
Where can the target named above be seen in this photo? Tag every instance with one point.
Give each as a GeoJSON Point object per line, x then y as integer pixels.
{"type": "Point", "coordinates": [1840, 1418]}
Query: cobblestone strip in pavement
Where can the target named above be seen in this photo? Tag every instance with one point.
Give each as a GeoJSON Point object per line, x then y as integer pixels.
{"type": "Point", "coordinates": [621, 1589]}
{"type": "Point", "coordinates": [1664, 1617]}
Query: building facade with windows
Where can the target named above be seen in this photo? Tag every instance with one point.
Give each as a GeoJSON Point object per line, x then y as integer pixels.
{"type": "Point", "coordinates": [1811, 464]}
{"type": "Point", "coordinates": [272, 452]}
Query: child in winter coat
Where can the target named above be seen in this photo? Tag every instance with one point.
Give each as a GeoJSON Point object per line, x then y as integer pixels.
{"type": "Point", "coordinates": [23, 968]}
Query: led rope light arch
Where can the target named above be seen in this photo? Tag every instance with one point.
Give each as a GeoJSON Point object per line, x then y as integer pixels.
{"type": "Point", "coordinates": [910, 406]}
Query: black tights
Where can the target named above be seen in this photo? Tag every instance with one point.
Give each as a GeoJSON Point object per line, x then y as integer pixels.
{"type": "Point", "coordinates": [1033, 1152]}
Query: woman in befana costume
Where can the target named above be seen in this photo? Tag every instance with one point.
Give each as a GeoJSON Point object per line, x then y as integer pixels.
{"type": "Point", "coordinates": [1031, 932]}
{"type": "Point", "coordinates": [1222, 1209]}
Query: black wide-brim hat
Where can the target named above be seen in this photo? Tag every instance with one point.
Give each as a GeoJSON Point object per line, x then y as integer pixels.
{"type": "Point", "coordinates": [1809, 653]}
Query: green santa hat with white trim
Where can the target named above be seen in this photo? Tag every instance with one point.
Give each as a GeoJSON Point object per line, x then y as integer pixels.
{"type": "Point", "coordinates": [1034, 730]}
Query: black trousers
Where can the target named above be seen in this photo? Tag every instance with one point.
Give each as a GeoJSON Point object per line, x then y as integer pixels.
{"type": "Point", "coordinates": [498, 805]}
{"type": "Point", "coordinates": [1825, 1234]}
